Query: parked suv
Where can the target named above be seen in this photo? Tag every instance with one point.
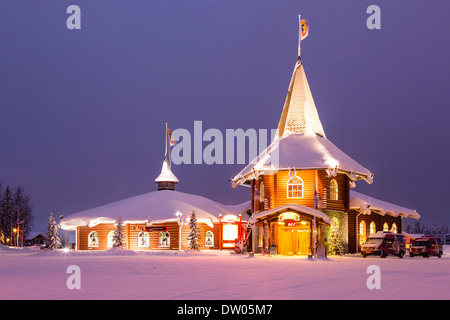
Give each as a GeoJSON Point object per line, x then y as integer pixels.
{"type": "Point", "coordinates": [426, 247]}
{"type": "Point", "coordinates": [382, 244]}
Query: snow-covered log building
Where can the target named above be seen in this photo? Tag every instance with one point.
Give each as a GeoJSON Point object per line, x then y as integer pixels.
{"type": "Point", "coordinates": [300, 189]}
{"type": "Point", "coordinates": [159, 220]}
{"type": "Point", "coordinates": [302, 183]}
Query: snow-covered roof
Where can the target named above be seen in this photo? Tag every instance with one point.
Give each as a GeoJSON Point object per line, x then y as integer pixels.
{"type": "Point", "coordinates": [413, 235]}
{"type": "Point", "coordinates": [365, 205]}
{"type": "Point", "coordinates": [299, 113]}
{"type": "Point", "coordinates": [303, 151]}
{"type": "Point", "coordinates": [166, 174]}
{"type": "Point", "coordinates": [34, 234]}
{"type": "Point", "coordinates": [295, 207]}
{"type": "Point", "coordinates": [154, 207]}
{"type": "Point", "coordinates": [300, 141]}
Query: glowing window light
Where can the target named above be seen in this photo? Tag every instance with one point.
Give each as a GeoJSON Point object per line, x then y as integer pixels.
{"type": "Point", "coordinates": [295, 187]}
{"type": "Point", "coordinates": [333, 190]}
{"type": "Point", "coordinates": [110, 241]}
{"type": "Point", "coordinates": [229, 233]}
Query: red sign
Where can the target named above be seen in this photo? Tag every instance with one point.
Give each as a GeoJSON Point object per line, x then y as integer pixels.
{"type": "Point", "coordinates": [156, 228]}
{"type": "Point", "coordinates": [290, 223]}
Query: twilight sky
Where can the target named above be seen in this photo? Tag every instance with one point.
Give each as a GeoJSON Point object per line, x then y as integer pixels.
{"type": "Point", "coordinates": [83, 112]}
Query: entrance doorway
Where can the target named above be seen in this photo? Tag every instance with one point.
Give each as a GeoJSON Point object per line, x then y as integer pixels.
{"type": "Point", "coordinates": [293, 240]}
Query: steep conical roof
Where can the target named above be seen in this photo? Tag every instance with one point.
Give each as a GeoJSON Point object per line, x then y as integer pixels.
{"type": "Point", "coordinates": [299, 113]}
{"type": "Point", "coordinates": [300, 141]}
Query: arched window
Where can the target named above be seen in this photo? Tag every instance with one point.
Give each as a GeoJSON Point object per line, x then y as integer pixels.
{"type": "Point", "coordinates": [261, 192]}
{"type": "Point", "coordinates": [295, 187]}
{"type": "Point", "coordinates": [385, 227]}
{"type": "Point", "coordinates": [110, 239]}
{"type": "Point", "coordinates": [333, 189]}
{"type": "Point", "coordinates": [372, 227]}
{"type": "Point", "coordinates": [209, 239]}
{"type": "Point", "coordinates": [93, 239]}
{"type": "Point", "coordinates": [164, 239]}
{"type": "Point", "coordinates": [394, 228]}
{"type": "Point", "coordinates": [362, 232]}
{"type": "Point", "coordinates": [143, 239]}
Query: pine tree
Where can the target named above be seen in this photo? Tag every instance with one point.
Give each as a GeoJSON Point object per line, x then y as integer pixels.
{"type": "Point", "coordinates": [335, 246]}
{"type": "Point", "coordinates": [52, 238]}
{"type": "Point", "coordinates": [2, 235]}
{"type": "Point", "coordinates": [22, 213]}
{"type": "Point", "coordinates": [118, 234]}
{"type": "Point", "coordinates": [194, 233]}
{"type": "Point", "coordinates": [6, 216]}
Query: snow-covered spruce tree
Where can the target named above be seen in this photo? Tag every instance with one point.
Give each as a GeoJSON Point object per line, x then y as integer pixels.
{"type": "Point", "coordinates": [52, 241]}
{"type": "Point", "coordinates": [6, 215]}
{"type": "Point", "coordinates": [118, 234]}
{"type": "Point", "coordinates": [194, 233]}
{"type": "Point", "coordinates": [334, 240]}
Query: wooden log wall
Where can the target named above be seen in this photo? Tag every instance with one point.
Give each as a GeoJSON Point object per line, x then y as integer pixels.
{"type": "Point", "coordinates": [275, 190]}
{"type": "Point", "coordinates": [353, 226]}
{"type": "Point", "coordinates": [131, 233]}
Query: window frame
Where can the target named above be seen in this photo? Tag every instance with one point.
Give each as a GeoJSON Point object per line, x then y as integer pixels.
{"type": "Point", "coordinates": [90, 244]}
{"type": "Point", "coordinates": [110, 239]}
{"type": "Point", "coordinates": [363, 234]}
{"type": "Point", "coordinates": [394, 227]}
{"type": "Point", "coordinates": [146, 236]}
{"type": "Point", "coordinates": [334, 190]}
{"type": "Point", "coordinates": [167, 234]}
{"type": "Point", "coordinates": [297, 184]}
{"type": "Point", "coordinates": [211, 238]}
{"type": "Point", "coordinates": [372, 227]}
{"type": "Point", "coordinates": [261, 192]}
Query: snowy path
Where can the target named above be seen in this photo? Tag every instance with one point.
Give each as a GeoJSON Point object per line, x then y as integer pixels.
{"type": "Point", "coordinates": [170, 276]}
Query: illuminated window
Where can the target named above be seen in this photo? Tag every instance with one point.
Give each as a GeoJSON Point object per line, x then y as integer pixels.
{"type": "Point", "coordinates": [260, 236]}
{"type": "Point", "coordinates": [164, 239]}
{"type": "Point", "coordinates": [230, 232]}
{"type": "Point", "coordinates": [394, 228]}
{"type": "Point", "coordinates": [143, 239]}
{"type": "Point", "coordinates": [362, 232]}
{"type": "Point", "coordinates": [333, 189]}
{"type": "Point", "coordinates": [209, 239]}
{"type": "Point", "coordinates": [372, 227]}
{"type": "Point", "coordinates": [295, 187]}
{"type": "Point", "coordinates": [385, 227]}
{"type": "Point", "coordinates": [93, 239]}
{"type": "Point", "coordinates": [110, 239]}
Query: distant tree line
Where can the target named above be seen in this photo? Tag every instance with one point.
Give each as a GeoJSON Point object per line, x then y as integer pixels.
{"type": "Point", "coordinates": [428, 230]}
{"type": "Point", "coordinates": [16, 219]}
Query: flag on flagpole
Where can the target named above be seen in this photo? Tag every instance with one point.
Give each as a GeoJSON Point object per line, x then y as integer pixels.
{"type": "Point", "coordinates": [303, 31]}
{"type": "Point", "coordinates": [172, 142]}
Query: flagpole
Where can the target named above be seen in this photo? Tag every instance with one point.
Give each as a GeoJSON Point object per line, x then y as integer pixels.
{"type": "Point", "coordinates": [315, 226]}
{"type": "Point", "coordinates": [166, 140]}
{"type": "Point", "coordinates": [299, 34]}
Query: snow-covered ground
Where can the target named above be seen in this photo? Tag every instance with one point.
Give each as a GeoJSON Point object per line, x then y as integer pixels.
{"type": "Point", "coordinates": [34, 274]}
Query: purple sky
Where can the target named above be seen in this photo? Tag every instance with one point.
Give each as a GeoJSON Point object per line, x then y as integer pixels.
{"type": "Point", "coordinates": [82, 112]}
